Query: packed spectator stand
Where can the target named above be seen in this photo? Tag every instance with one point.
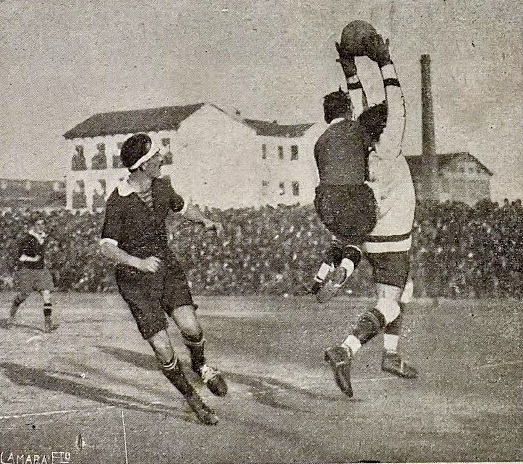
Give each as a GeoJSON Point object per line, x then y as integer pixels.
{"type": "Point", "coordinates": [458, 251]}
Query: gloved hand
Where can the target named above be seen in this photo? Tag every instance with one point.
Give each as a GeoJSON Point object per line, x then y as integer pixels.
{"type": "Point", "coordinates": [347, 62]}
{"type": "Point", "coordinates": [377, 49]}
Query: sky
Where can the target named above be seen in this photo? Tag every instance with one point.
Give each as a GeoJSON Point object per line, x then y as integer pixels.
{"type": "Point", "coordinates": [63, 61]}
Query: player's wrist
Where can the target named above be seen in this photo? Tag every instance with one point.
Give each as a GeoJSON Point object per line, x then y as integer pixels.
{"type": "Point", "coordinates": [353, 82]}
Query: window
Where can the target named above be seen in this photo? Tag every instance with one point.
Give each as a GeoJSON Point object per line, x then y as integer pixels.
{"type": "Point", "coordinates": [264, 151]}
{"type": "Point", "coordinates": [117, 161]}
{"type": "Point", "coordinates": [265, 187]}
{"type": "Point", "coordinates": [296, 188]}
{"type": "Point", "coordinates": [294, 152]}
{"type": "Point", "coordinates": [265, 183]}
{"type": "Point", "coordinates": [168, 156]}
{"type": "Point", "coordinates": [99, 161]}
{"type": "Point", "coordinates": [282, 188]}
{"type": "Point", "coordinates": [78, 161]}
{"type": "Point", "coordinates": [280, 152]}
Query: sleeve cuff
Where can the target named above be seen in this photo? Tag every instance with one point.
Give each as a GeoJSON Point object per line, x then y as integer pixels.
{"type": "Point", "coordinates": [185, 206]}
{"type": "Point", "coordinates": [108, 240]}
{"type": "Point", "coordinates": [388, 72]}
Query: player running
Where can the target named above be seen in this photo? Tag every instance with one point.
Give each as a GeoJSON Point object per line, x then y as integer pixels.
{"type": "Point", "coordinates": [149, 277]}
{"type": "Point", "coordinates": [32, 274]}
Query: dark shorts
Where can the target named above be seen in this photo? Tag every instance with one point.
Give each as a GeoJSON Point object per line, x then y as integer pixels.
{"type": "Point", "coordinates": [390, 268]}
{"type": "Point", "coordinates": [348, 211]}
{"type": "Point", "coordinates": [152, 296]}
{"type": "Point", "coordinates": [29, 280]}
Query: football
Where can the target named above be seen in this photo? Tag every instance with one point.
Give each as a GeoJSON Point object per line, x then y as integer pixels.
{"type": "Point", "coordinates": [355, 36]}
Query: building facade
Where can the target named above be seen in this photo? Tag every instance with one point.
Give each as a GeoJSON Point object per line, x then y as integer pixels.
{"type": "Point", "coordinates": [213, 158]}
{"type": "Point", "coordinates": [460, 177]}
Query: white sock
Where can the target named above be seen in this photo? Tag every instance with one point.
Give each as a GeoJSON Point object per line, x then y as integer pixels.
{"type": "Point", "coordinates": [352, 344]}
{"type": "Point", "coordinates": [348, 265]}
{"type": "Point", "coordinates": [322, 272]}
{"type": "Point", "coordinates": [390, 342]}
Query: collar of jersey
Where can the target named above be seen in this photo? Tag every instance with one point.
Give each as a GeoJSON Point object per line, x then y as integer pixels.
{"type": "Point", "coordinates": [125, 188]}
{"type": "Point", "coordinates": [336, 120]}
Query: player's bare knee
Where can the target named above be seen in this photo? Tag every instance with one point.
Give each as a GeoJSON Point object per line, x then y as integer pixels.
{"type": "Point", "coordinates": [389, 308]}
{"type": "Point", "coordinates": [185, 319]}
{"type": "Point", "coordinates": [162, 347]}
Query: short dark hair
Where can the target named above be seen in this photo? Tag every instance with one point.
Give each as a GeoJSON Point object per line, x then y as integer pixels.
{"type": "Point", "coordinates": [134, 148]}
{"type": "Point", "coordinates": [374, 119]}
{"type": "Point", "coordinates": [336, 105]}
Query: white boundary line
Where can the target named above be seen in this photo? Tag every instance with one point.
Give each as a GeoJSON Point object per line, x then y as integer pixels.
{"type": "Point", "coordinates": [51, 413]}
{"type": "Point", "coordinates": [508, 363]}
{"type": "Point", "coordinates": [374, 379]}
{"type": "Point", "coordinates": [125, 440]}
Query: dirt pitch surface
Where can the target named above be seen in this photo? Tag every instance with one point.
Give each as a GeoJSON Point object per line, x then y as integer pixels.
{"type": "Point", "coordinates": [91, 392]}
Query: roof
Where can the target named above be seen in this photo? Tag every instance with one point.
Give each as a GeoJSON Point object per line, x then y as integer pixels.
{"type": "Point", "coordinates": [273, 129]}
{"type": "Point", "coordinates": [445, 158]}
{"type": "Point", "coordinates": [129, 122]}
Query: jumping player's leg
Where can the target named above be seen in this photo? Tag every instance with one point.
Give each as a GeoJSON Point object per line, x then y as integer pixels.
{"type": "Point", "coordinates": [390, 273]}
{"type": "Point", "coordinates": [192, 333]}
{"type": "Point", "coordinates": [349, 212]}
{"type": "Point", "coordinates": [350, 259]}
{"type": "Point", "coordinates": [368, 325]}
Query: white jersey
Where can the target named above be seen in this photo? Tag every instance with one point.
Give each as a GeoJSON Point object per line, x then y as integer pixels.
{"type": "Point", "coordinates": [390, 176]}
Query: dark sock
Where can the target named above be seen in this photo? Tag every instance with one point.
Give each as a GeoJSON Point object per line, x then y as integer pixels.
{"type": "Point", "coordinates": [369, 325]}
{"type": "Point", "coordinates": [175, 375]}
{"type": "Point", "coordinates": [15, 305]}
{"type": "Point", "coordinates": [195, 345]}
{"type": "Point", "coordinates": [394, 327]}
{"type": "Point", "coordinates": [48, 310]}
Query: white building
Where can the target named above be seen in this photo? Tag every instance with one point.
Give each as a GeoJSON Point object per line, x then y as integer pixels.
{"type": "Point", "coordinates": [216, 159]}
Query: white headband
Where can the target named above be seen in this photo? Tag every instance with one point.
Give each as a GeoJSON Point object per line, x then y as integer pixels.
{"type": "Point", "coordinates": [152, 151]}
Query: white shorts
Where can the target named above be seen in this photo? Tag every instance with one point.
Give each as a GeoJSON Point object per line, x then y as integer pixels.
{"type": "Point", "coordinates": [396, 201]}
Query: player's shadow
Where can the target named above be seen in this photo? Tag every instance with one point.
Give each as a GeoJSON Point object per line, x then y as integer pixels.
{"type": "Point", "coordinates": [6, 324]}
{"type": "Point", "coordinates": [55, 381]}
{"type": "Point", "coordinates": [265, 390]}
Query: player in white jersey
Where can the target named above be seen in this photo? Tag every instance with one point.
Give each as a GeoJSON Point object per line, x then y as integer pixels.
{"type": "Point", "coordinates": [387, 247]}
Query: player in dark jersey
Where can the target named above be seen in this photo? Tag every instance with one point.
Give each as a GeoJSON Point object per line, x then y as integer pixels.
{"type": "Point", "coordinates": [32, 274]}
{"type": "Point", "coordinates": [149, 277]}
{"type": "Point", "coordinates": [344, 201]}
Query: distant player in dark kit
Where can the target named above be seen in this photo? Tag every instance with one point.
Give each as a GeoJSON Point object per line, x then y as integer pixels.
{"type": "Point", "coordinates": [32, 274]}
{"type": "Point", "coordinates": [387, 245]}
{"type": "Point", "coordinates": [149, 277]}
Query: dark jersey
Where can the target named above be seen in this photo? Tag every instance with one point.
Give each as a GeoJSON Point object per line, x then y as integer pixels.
{"type": "Point", "coordinates": [30, 246]}
{"type": "Point", "coordinates": [138, 229]}
{"type": "Point", "coordinates": [341, 156]}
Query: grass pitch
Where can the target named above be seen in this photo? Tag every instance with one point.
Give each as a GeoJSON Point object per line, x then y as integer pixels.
{"type": "Point", "coordinates": [91, 391]}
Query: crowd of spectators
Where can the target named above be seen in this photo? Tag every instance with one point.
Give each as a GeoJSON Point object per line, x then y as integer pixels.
{"type": "Point", "coordinates": [458, 251]}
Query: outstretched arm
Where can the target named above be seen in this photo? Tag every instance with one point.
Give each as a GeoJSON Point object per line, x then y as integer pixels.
{"type": "Point", "coordinates": [192, 213]}
{"type": "Point", "coordinates": [390, 143]}
{"type": "Point", "coordinates": [354, 87]}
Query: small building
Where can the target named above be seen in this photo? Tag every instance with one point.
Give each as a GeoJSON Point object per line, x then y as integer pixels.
{"type": "Point", "coordinates": [213, 158]}
{"type": "Point", "coordinates": [460, 177]}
